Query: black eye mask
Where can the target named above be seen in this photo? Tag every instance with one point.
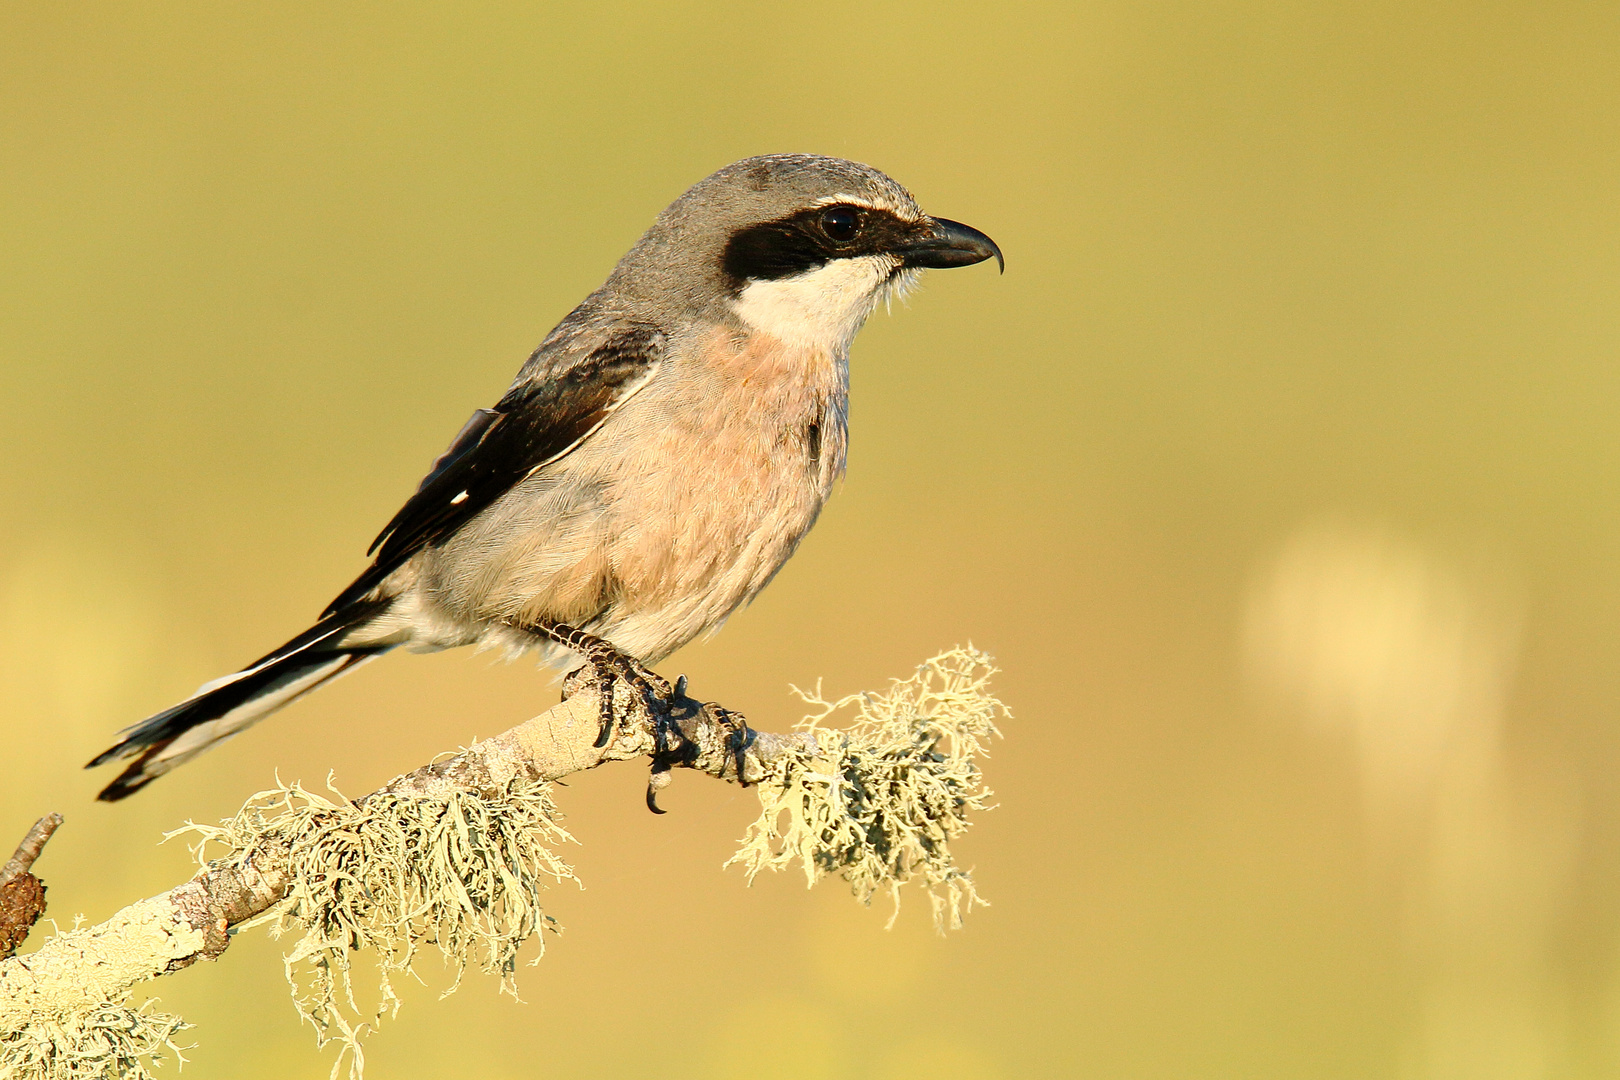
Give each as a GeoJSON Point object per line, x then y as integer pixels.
{"type": "Point", "coordinates": [811, 238]}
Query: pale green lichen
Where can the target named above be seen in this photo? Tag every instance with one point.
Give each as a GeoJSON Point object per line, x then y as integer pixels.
{"type": "Point", "coordinates": [107, 1040]}
{"type": "Point", "coordinates": [888, 791]}
{"type": "Point", "coordinates": [462, 871]}
{"type": "Point", "coordinates": [879, 803]}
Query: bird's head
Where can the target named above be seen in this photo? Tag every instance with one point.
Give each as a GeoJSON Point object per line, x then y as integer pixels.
{"type": "Point", "coordinates": [797, 246]}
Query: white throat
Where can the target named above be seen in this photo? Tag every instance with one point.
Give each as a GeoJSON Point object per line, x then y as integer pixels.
{"type": "Point", "coordinates": [821, 308]}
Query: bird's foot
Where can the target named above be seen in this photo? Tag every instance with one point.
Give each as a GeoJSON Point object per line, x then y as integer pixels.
{"type": "Point", "coordinates": [671, 746]}
{"type": "Point", "coordinates": [684, 751]}
{"type": "Point", "coordinates": [738, 737]}
{"type": "Point", "coordinates": [603, 664]}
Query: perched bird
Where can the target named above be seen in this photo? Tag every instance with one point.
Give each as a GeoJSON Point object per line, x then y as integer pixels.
{"type": "Point", "coordinates": [653, 465]}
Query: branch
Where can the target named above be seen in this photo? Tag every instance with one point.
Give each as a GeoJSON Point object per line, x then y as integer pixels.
{"type": "Point", "coordinates": [191, 922]}
{"type": "Point", "coordinates": [453, 853]}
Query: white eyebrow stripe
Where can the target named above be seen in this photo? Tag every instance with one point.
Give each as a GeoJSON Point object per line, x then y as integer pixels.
{"type": "Point", "coordinates": [903, 213]}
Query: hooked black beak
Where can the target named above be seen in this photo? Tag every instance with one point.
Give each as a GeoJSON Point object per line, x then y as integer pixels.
{"type": "Point", "coordinates": [950, 243]}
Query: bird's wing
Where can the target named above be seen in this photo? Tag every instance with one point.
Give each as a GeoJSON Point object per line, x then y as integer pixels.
{"type": "Point", "coordinates": [563, 395]}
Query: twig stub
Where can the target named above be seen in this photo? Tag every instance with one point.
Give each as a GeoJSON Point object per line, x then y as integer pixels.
{"type": "Point", "coordinates": [22, 895]}
{"type": "Point", "coordinates": [29, 849]}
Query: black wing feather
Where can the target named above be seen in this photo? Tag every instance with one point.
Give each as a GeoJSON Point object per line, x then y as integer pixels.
{"type": "Point", "coordinates": [538, 421]}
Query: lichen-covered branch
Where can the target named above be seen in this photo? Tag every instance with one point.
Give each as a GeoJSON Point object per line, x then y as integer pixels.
{"type": "Point", "coordinates": [882, 796]}
{"type": "Point", "coordinates": [455, 854]}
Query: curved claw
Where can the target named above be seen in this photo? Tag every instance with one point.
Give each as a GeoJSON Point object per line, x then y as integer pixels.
{"type": "Point", "coordinates": [660, 778]}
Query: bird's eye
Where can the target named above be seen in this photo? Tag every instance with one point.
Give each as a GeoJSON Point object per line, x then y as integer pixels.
{"type": "Point", "coordinates": [840, 223]}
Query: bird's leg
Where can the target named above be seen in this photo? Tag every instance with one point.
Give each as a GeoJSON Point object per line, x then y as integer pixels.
{"type": "Point", "coordinates": [661, 700]}
{"type": "Point", "coordinates": [607, 662]}
{"type": "Point", "coordinates": [601, 681]}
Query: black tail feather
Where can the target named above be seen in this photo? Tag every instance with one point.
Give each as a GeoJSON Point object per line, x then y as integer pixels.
{"type": "Point", "coordinates": [272, 681]}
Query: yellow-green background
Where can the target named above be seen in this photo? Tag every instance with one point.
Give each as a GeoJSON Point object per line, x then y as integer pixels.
{"type": "Point", "coordinates": [1279, 473]}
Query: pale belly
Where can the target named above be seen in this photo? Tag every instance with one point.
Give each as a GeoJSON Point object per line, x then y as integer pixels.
{"type": "Point", "coordinates": [676, 513]}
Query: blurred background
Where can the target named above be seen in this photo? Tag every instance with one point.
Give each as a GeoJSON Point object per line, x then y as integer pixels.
{"type": "Point", "coordinates": [1279, 473]}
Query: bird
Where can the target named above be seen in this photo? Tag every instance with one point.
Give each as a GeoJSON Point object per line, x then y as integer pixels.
{"type": "Point", "coordinates": [655, 462]}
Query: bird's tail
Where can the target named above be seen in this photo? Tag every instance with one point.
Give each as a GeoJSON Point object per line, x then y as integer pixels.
{"type": "Point", "coordinates": [226, 706]}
